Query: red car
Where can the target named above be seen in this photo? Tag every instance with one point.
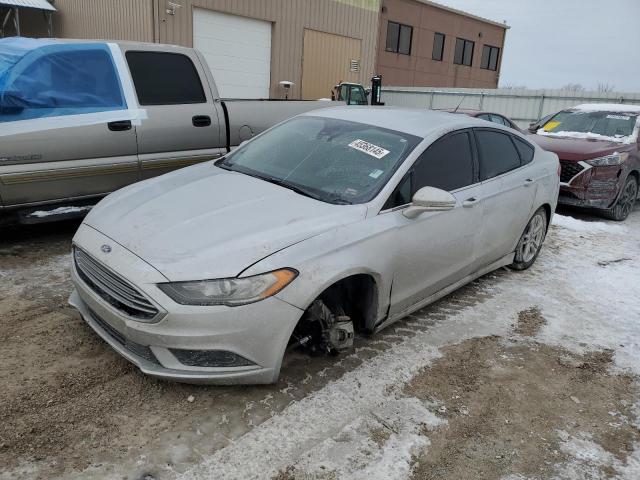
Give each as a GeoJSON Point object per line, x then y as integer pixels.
{"type": "Point", "coordinates": [599, 156]}
{"type": "Point", "coordinates": [489, 116]}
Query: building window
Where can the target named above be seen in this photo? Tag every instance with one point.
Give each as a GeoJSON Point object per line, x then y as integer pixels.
{"type": "Point", "coordinates": [438, 47]}
{"type": "Point", "coordinates": [490, 57]}
{"type": "Point", "coordinates": [399, 38]}
{"type": "Point", "coordinates": [464, 52]}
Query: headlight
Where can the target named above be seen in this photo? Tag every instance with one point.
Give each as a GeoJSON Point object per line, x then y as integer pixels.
{"type": "Point", "coordinates": [609, 160]}
{"type": "Point", "coordinates": [229, 291]}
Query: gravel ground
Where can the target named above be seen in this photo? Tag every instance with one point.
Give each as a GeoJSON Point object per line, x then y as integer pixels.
{"type": "Point", "coordinates": [515, 376]}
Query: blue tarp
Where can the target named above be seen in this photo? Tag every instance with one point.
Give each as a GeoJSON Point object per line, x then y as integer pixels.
{"type": "Point", "coordinates": [48, 78]}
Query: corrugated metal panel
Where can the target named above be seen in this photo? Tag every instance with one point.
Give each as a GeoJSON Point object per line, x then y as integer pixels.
{"type": "Point", "coordinates": [521, 105]}
{"type": "Point", "coordinates": [289, 19]}
{"type": "Point", "coordinates": [107, 19]}
{"type": "Point", "coordinates": [39, 4]}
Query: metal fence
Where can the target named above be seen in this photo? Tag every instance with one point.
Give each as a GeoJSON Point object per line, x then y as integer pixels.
{"type": "Point", "coordinates": [523, 106]}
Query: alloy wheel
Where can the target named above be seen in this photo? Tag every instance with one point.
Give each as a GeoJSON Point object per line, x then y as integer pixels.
{"type": "Point", "coordinates": [627, 199]}
{"type": "Point", "coordinates": [532, 238]}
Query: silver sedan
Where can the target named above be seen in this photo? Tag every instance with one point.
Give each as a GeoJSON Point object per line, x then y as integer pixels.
{"type": "Point", "coordinates": [334, 222]}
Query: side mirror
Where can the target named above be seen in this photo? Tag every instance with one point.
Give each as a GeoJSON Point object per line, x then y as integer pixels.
{"type": "Point", "coordinates": [533, 127]}
{"type": "Point", "coordinates": [429, 199]}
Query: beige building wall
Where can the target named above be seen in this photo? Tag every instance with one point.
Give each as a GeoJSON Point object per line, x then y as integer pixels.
{"type": "Point", "coordinates": [418, 69]}
{"type": "Point", "coordinates": [357, 19]}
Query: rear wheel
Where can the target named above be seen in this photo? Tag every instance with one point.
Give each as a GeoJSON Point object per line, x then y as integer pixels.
{"type": "Point", "coordinates": [531, 241]}
{"type": "Point", "coordinates": [627, 198]}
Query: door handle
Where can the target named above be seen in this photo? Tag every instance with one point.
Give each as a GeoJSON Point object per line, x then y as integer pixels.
{"type": "Point", "coordinates": [119, 126]}
{"type": "Point", "coordinates": [201, 121]}
{"type": "Point", "coordinates": [528, 182]}
{"type": "Point", "coordinates": [470, 202]}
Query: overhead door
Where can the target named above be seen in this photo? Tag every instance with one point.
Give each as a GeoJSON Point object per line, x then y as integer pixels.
{"type": "Point", "coordinates": [238, 51]}
{"type": "Point", "coordinates": [328, 59]}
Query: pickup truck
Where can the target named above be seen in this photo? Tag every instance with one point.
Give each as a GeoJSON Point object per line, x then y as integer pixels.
{"type": "Point", "coordinates": [80, 119]}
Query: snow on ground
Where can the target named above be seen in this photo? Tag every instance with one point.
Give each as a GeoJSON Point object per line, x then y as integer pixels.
{"type": "Point", "coordinates": [586, 284]}
{"type": "Point", "coordinates": [59, 211]}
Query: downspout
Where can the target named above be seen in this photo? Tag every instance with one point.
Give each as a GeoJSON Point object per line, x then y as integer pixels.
{"type": "Point", "coordinates": [16, 20]}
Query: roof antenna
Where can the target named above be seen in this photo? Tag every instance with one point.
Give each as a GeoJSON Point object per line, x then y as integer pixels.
{"type": "Point", "coordinates": [461, 100]}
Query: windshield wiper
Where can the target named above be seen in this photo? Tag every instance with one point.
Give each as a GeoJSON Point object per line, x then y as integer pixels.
{"type": "Point", "coordinates": [333, 198]}
{"type": "Point", "coordinates": [222, 163]}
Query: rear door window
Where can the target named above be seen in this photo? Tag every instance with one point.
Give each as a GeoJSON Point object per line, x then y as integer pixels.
{"type": "Point", "coordinates": [165, 78]}
{"type": "Point", "coordinates": [447, 164]}
{"type": "Point", "coordinates": [497, 153]}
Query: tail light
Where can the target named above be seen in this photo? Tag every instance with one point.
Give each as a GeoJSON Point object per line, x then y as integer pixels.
{"type": "Point", "coordinates": [559, 169]}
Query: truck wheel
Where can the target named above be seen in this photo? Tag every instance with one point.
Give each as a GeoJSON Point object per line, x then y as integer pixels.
{"type": "Point", "coordinates": [627, 198]}
{"type": "Point", "coordinates": [531, 241]}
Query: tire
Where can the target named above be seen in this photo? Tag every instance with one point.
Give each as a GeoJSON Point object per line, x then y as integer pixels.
{"type": "Point", "coordinates": [531, 241]}
{"type": "Point", "coordinates": [624, 204]}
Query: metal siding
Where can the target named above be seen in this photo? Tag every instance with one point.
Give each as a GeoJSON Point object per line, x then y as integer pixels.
{"type": "Point", "coordinates": [290, 18]}
{"type": "Point", "coordinates": [521, 105]}
{"type": "Point", "coordinates": [105, 19]}
{"type": "Point", "coordinates": [39, 4]}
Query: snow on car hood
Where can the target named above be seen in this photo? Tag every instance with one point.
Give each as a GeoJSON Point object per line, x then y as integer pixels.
{"type": "Point", "coordinates": [203, 222]}
{"type": "Point", "coordinates": [576, 149]}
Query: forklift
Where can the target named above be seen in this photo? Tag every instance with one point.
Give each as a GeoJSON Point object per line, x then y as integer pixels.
{"type": "Point", "coordinates": [355, 94]}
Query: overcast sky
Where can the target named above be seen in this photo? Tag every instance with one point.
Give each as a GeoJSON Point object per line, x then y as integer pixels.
{"type": "Point", "coordinates": [555, 42]}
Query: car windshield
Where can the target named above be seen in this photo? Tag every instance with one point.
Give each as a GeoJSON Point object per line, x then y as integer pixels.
{"type": "Point", "coordinates": [332, 160]}
{"type": "Point", "coordinates": [607, 124]}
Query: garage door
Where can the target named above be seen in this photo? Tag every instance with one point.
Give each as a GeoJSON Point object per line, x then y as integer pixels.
{"type": "Point", "coordinates": [238, 51]}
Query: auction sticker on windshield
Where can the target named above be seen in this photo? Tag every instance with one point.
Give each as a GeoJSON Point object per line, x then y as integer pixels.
{"type": "Point", "coordinates": [369, 148]}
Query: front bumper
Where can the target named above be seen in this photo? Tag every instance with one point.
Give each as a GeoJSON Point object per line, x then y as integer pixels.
{"type": "Point", "coordinates": [594, 187]}
{"type": "Point", "coordinates": [257, 332]}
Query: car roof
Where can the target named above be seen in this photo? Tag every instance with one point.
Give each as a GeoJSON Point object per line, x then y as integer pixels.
{"type": "Point", "coordinates": [414, 121]}
{"type": "Point", "coordinates": [607, 107]}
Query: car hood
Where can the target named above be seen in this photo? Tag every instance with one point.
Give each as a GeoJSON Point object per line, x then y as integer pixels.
{"type": "Point", "coordinates": [203, 222]}
{"type": "Point", "coordinates": [576, 149]}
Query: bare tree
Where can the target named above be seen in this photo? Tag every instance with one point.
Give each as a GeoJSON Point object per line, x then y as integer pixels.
{"type": "Point", "coordinates": [604, 87]}
{"type": "Point", "coordinates": [511, 86]}
{"type": "Point", "coordinates": [573, 87]}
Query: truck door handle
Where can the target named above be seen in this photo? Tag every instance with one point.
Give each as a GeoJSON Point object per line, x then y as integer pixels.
{"type": "Point", "coordinates": [528, 182]}
{"type": "Point", "coordinates": [201, 121]}
{"type": "Point", "coordinates": [470, 202]}
{"type": "Point", "coordinates": [120, 126]}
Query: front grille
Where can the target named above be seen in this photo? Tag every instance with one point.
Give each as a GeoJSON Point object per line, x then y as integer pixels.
{"type": "Point", "coordinates": [112, 288]}
{"type": "Point", "coordinates": [133, 347]}
{"type": "Point", "coordinates": [569, 170]}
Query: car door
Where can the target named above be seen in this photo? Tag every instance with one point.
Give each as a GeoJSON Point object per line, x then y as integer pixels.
{"type": "Point", "coordinates": [508, 189]}
{"type": "Point", "coordinates": [183, 124]}
{"type": "Point", "coordinates": [57, 152]}
{"type": "Point", "coordinates": [436, 249]}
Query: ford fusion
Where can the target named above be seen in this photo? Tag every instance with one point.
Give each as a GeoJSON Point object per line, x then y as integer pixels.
{"type": "Point", "coordinates": [335, 222]}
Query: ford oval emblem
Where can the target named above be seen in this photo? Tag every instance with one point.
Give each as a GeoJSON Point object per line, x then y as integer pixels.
{"type": "Point", "coordinates": [105, 248]}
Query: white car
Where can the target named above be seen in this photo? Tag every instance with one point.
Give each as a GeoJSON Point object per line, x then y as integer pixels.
{"type": "Point", "coordinates": [338, 220]}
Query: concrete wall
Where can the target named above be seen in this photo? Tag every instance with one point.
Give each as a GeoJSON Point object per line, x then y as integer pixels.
{"type": "Point", "coordinates": [418, 69]}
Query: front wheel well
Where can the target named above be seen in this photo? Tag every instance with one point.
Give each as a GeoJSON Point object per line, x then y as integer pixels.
{"type": "Point", "coordinates": [356, 296]}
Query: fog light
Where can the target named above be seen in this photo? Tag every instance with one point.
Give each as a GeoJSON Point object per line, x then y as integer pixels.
{"type": "Point", "coordinates": [210, 358]}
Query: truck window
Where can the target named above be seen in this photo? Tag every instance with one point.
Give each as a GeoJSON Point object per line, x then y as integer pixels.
{"type": "Point", "coordinates": [165, 78]}
{"type": "Point", "coordinates": [62, 80]}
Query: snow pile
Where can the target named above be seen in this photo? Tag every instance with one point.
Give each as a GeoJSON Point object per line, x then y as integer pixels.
{"type": "Point", "coordinates": [589, 136]}
{"type": "Point", "coordinates": [582, 226]}
{"type": "Point", "coordinates": [608, 107]}
{"type": "Point", "coordinates": [60, 211]}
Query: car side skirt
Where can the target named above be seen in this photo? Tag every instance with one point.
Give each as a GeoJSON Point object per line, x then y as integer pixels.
{"type": "Point", "coordinates": [504, 261]}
